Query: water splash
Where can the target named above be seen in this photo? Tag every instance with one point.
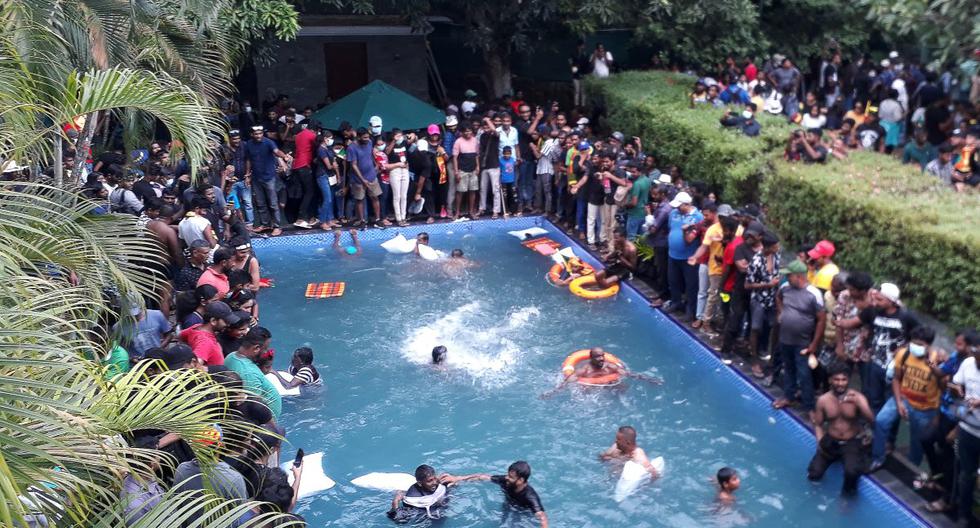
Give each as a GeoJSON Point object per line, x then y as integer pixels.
{"type": "Point", "coordinates": [480, 343]}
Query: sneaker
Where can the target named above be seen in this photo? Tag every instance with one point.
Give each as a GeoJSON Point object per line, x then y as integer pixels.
{"type": "Point", "coordinates": [766, 357]}
{"type": "Point", "coordinates": [726, 358]}
{"type": "Point", "coordinates": [876, 465]}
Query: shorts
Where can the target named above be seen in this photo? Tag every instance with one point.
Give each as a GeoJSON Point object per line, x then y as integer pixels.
{"type": "Point", "coordinates": [468, 182]}
{"type": "Point", "coordinates": [373, 187]}
{"type": "Point", "coordinates": [619, 270]}
{"type": "Point", "coordinates": [761, 314]}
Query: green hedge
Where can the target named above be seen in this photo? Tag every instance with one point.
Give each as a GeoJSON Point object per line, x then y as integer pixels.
{"type": "Point", "coordinates": [885, 217]}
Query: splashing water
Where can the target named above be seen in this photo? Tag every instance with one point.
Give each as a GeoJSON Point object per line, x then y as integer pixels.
{"type": "Point", "coordinates": [479, 343]}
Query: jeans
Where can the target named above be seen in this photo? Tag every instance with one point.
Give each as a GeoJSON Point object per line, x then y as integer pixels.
{"type": "Point", "coordinates": [581, 210]}
{"type": "Point", "coordinates": [969, 454]}
{"type": "Point", "coordinates": [634, 227]}
{"type": "Point", "coordinates": [887, 417]}
{"type": "Point", "coordinates": [874, 386]}
{"type": "Point", "coordinates": [683, 280]}
{"type": "Point", "coordinates": [738, 307]}
{"type": "Point", "coordinates": [325, 212]}
{"type": "Point", "coordinates": [266, 202]}
{"type": "Point", "coordinates": [244, 195]}
{"type": "Point", "coordinates": [702, 290]}
{"type": "Point", "coordinates": [542, 193]}
{"type": "Point", "coordinates": [399, 192]}
{"type": "Point", "coordinates": [385, 198]}
{"type": "Point", "coordinates": [508, 192]}
{"type": "Point", "coordinates": [490, 182]}
{"type": "Point", "coordinates": [306, 182]}
{"type": "Point", "coordinates": [796, 374]}
{"type": "Point", "coordinates": [525, 185]}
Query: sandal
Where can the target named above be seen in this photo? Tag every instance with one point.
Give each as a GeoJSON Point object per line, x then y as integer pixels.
{"type": "Point", "coordinates": [782, 403]}
{"type": "Point", "coordinates": [938, 506]}
{"type": "Point", "coordinates": [696, 324]}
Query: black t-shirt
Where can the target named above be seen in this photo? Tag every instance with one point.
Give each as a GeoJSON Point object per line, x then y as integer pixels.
{"type": "Point", "coordinates": [888, 332]}
{"type": "Point", "coordinates": [595, 194]}
{"type": "Point", "coordinates": [228, 344]}
{"type": "Point", "coordinates": [819, 150]}
{"type": "Point", "coordinates": [526, 498]}
{"type": "Point", "coordinates": [524, 140]}
{"type": "Point", "coordinates": [398, 154]}
{"type": "Point", "coordinates": [489, 151]}
{"type": "Point", "coordinates": [111, 158]}
{"type": "Point", "coordinates": [870, 136]}
{"type": "Point", "coordinates": [745, 252]}
{"type": "Point", "coordinates": [420, 163]}
{"type": "Point", "coordinates": [935, 116]}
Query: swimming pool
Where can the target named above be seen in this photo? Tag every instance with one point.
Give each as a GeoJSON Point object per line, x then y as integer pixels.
{"type": "Point", "coordinates": [507, 331]}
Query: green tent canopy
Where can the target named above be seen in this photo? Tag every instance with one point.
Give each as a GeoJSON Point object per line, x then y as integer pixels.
{"type": "Point", "coordinates": [396, 108]}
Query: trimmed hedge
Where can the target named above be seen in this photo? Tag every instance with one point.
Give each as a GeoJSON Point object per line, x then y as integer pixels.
{"type": "Point", "coordinates": [885, 217]}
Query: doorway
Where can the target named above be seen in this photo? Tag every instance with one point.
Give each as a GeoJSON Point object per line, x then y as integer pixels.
{"type": "Point", "coordinates": [346, 67]}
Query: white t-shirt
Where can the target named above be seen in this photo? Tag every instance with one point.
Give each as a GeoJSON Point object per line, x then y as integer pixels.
{"type": "Point", "coordinates": [192, 228]}
{"type": "Point", "coordinates": [813, 122]}
{"type": "Point", "coordinates": [969, 377]}
{"type": "Point", "coordinates": [467, 107]}
{"type": "Point", "coordinates": [600, 66]}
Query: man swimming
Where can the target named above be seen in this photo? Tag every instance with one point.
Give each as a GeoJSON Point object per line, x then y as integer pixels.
{"type": "Point", "coordinates": [574, 269]}
{"type": "Point", "coordinates": [439, 355]}
{"type": "Point", "coordinates": [428, 494]}
{"type": "Point", "coordinates": [622, 262]}
{"type": "Point", "coordinates": [595, 367]}
{"type": "Point", "coordinates": [625, 449]}
{"type": "Point", "coordinates": [514, 484]}
{"type": "Point", "coordinates": [351, 250]}
{"type": "Point", "coordinates": [421, 239]}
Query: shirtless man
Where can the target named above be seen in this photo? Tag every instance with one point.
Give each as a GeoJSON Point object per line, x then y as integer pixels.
{"type": "Point", "coordinates": [622, 262]}
{"type": "Point", "coordinates": [625, 449]}
{"type": "Point", "coordinates": [841, 409]}
{"type": "Point", "coordinates": [351, 250]}
{"type": "Point", "coordinates": [595, 367]}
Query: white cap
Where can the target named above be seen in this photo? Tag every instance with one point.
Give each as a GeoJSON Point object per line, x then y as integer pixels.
{"type": "Point", "coordinates": [665, 178]}
{"type": "Point", "coordinates": [890, 292]}
{"type": "Point", "coordinates": [451, 120]}
{"type": "Point", "coordinates": [893, 55]}
{"type": "Point", "coordinates": [582, 121]}
{"type": "Point", "coordinates": [375, 121]}
{"type": "Point", "coordinates": [422, 145]}
{"type": "Point", "coordinates": [885, 63]}
{"type": "Point", "coordinates": [681, 199]}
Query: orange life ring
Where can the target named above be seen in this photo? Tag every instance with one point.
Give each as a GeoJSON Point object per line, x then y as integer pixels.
{"type": "Point", "coordinates": [573, 359]}
{"type": "Point", "coordinates": [554, 274]}
{"type": "Point", "coordinates": [579, 287]}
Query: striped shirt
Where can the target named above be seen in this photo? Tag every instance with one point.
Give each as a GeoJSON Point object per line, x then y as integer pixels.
{"type": "Point", "coordinates": [308, 375]}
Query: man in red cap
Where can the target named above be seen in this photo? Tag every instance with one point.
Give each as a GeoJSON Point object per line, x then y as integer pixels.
{"type": "Point", "coordinates": [822, 269]}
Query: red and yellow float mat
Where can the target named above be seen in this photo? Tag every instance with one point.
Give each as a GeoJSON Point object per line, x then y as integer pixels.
{"type": "Point", "coordinates": [324, 290]}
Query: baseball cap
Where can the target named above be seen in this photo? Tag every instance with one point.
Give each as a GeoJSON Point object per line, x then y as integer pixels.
{"type": "Point", "coordinates": [234, 133]}
{"type": "Point", "coordinates": [681, 198]}
{"type": "Point", "coordinates": [422, 145]}
{"type": "Point", "coordinates": [375, 121]}
{"type": "Point", "coordinates": [584, 145]}
{"type": "Point", "coordinates": [220, 310]}
{"type": "Point", "coordinates": [433, 130]}
{"type": "Point", "coordinates": [794, 267]}
{"type": "Point", "coordinates": [451, 120]}
{"type": "Point", "coordinates": [665, 179]}
{"type": "Point", "coordinates": [177, 356]}
{"type": "Point", "coordinates": [824, 248]}
{"type": "Point", "coordinates": [469, 93]}
{"type": "Point", "coordinates": [725, 210]}
{"type": "Point", "coordinates": [890, 291]}
{"type": "Point", "coordinates": [755, 228]}
{"type": "Point", "coordinates": [893, 55]}
{"type": "Point", "coordinates": [582, 121]}
{"type": "Point", "coordinates": [618, 136]}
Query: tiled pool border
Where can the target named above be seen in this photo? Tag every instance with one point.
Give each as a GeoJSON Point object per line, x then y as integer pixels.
{"type": "Point", "coordinates": [868, 487]}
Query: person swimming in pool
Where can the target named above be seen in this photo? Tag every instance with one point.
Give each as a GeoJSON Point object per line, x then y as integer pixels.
{"type": "Point", "coordinates": [728, 482]}
{"type": "Point", "coordinates": [426, 497]}
{"type": "Point", "coordinates": [621, 262]}
{"type": "Point", "coordinates": [439, 355]}
{"type": "Point", "coordinates": [595, 367]}
{"type": "Point", "coordinates": [574, 270]}
{"type": "Point", "coordinates": [352, 250]}
{"type": "Point", "coordinates": [625, 449]}
{"type": "Point", "coordinates": [514, 485]}
{"type": "Point", "coordinates": [421, 239]}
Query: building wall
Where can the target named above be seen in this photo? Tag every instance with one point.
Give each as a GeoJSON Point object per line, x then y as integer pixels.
{"type": "Point", "coordinates": [300, 71]}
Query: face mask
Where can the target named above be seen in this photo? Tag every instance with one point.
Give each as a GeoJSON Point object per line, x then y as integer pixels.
{"type": "Point", "coordinates": [329, 142]}
{"type": "Point", "coordinates": [399, 139]}
{"type": "Point", "coordinates": [379, 147]}
{"type": "Point", "coordinates": [747, 114]}
{"type": "Point", "coordinates": [248, 108]}
{"type": "Point", "coordinates": [917, 350]}
{"type": "Point", "coordinates": [375, 130]}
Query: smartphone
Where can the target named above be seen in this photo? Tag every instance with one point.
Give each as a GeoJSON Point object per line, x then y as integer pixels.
{"type": "Point", "coordinates": [299, 458]}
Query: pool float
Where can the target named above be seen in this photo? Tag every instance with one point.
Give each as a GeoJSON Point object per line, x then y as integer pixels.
{"type": "Point", "coordinates": [633, 476]}
{"type": "Point", "coordinates": [579, 287]}
{"type": "Point", "coordinates": [283, 391]}
{"type": "Point", "coordinates": [314, 480]}
{"type": "Point", "coordinates": [573, 359]}
{"type": "Point", "coordinates": [554, 274]}
{"type": "Point", "coordinates": [385, 481]}
{"type": "Point", "coordinates": [324, 290]}
{"type": "Point", "coordinates": [399, 244]}
{"type": "Point", "coordinates": [526, 233]}
{"type": "Point", "coordinates": [428, 253]}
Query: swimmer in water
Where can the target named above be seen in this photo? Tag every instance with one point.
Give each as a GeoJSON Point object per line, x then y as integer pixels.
{"type": "Point", "coordinates": [728, 482]}
{"type": "Point", "coordinates": [421, 239]}
{"type": "Point", "coordinates": [625, 449]}
{"type": "Point", "coordinates": [574, 270]}
{"type": "Point", "coordinates": [427, 496]}
{"type": "Point", "coordinates": [351, 250]}
{"type": "Point", "coordinates": [457, 262]}
{"type": "Point", "coordinates": [514, 485]}
{"type": "Point", "coordinates": [439, 355]}
{"type": "Point", "coordinates": [598, 366]}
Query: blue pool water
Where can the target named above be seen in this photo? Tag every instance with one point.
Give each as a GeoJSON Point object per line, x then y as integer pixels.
{"type": "Point", "coordinates": [507, 330]}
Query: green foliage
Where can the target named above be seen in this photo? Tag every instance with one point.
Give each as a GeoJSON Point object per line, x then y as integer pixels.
{"type": "Point", "coordinates": [950, 28]}
{"type": "Point", "coordinates": [884, 217]}
{"type": "Point", "coordinates": [841, 23]}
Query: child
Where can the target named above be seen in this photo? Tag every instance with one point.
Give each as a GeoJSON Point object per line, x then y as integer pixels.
{"type": "Point", "coordinates": [508, 167]}
{"type": "Point", "coordinates": [302, 369]}
{"type": "Point", "coordinates": [728, 482]}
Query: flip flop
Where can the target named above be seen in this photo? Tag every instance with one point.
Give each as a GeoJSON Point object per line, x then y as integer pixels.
{"type": "Point", "coordinates": [782, 403]}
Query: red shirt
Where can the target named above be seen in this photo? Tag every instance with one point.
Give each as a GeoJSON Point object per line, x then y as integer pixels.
{"type": "Point", "coordinates": [305, 146]}
{"type": "Point", "coordinates": [751, 72]}
{"type": "Point", "coordinates": [218, 280]}
{"type": "Point", "coordinates": [728, 259]}
{"type": "Point", "coordinates": [204, 345]}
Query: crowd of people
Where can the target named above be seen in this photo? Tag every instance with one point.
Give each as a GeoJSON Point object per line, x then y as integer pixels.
{"type": "Point", "coordinates": [894, 106]}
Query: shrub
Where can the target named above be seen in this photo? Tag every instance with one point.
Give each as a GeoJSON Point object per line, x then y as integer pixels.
{"type": "Point", "coordinates": [885, 217]}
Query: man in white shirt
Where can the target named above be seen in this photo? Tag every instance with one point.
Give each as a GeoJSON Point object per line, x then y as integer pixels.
{"type": "Point", "coordinates": [601, 62]}
{"type": "Point", "coordinates": [508, 136]}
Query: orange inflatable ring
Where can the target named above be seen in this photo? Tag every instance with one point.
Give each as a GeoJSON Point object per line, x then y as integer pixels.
{"type": "Point", "coordinates": [579, 287]}
{"type": "Point", "coordinates": [573, 359]}
{"type": "Point", "coordinates": [554, 274]}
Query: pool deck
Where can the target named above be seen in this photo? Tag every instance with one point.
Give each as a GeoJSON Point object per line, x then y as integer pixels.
{"type": "Point", "coordinates": [897, 475]}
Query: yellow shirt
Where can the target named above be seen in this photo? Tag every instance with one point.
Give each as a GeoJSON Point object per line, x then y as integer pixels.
{"type": "Point", "coordinates": [824, 276]}
{"type": "Point", "coordinates": [712, 238]}
{"type": "Point", "coordinates": [920, 386]}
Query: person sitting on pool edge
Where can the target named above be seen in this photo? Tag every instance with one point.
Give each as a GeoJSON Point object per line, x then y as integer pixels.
{"type": "Point", "coordinates": [428, 494]}
{"type": "Point", "coordinates": [625, 448]}
{"type": "Point", "coordinates": [439, 354]}
{"type": "Point", "coordinates": [351, 250]}
{"type": "Point", "coordinates": [598, 366]}
{"type": "Point", "coordinates": [514, 484]}
{"type": "Point", "coordinates": [621, 262]}
{"type": "Point", "coordinates": [728, 482]}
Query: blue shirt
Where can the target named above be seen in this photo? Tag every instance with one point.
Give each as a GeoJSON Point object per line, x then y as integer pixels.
{"type": "Point", "coordinates": [363, 156]}
{"type": "Point", "coordinates": [261, 154]}
{"type": "Point", "coordinates": [677, 248]}
{"type": "Point", "coordinates": [948, 399]}
{"type": "Point", "coordinates": [448, 140]}
{"type": "Point", "coordinates": [507, 169]}
{"type": "Point", "coordinates": [734, 94]}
